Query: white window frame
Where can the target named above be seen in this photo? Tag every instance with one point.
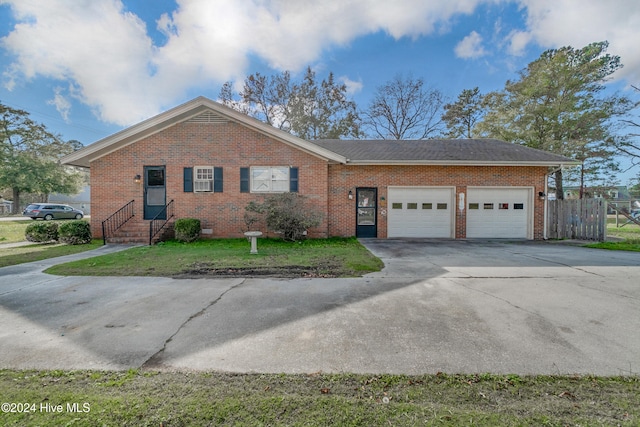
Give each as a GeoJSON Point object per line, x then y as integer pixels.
{"type": "Point", "coordinates": [271, 183]}
{"type": "Point", "coordinates": [203, 179]}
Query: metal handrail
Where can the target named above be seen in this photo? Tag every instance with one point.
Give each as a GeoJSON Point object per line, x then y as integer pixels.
{"type": "Point", "coordinates": [117, 220]}
{"type": "Point", "coordinates": [155, 226]}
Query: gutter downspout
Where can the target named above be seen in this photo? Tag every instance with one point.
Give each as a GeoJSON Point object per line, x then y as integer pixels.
{"type": "Point", "coordinates": [546, 206]}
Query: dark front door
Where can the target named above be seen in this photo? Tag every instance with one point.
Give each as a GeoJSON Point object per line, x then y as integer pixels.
{"type": "Point", "coordinates": [366, 212]}
{"type": "Point", "coordinates": [154, 192]}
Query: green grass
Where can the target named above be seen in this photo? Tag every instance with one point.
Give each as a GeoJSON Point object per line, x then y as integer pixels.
{"type": "Point", "coordinates": [145, 398]}
{"type": "Point", "coordinates": [12, 231]}
{"type": "Point", "coordinates": [38, 252]}
{"type": "Point", "coordinates": [334, 257]}
{"type": "Point", "coordinates": [626, 245]}
{"type": "Point", "coordinates": [630, 234]}
{"type": "Point", "coordinates": [629, 231]}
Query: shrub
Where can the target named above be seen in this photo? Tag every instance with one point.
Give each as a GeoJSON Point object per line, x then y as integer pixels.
{"type": "Point", "coordinates": [75, 233]}
{"type": "Point", "coordinates": [287, 214]}
{"type": "Point", "coordinates": [41, 231]}
{"type": "Point", "coordinates": [187, 229]}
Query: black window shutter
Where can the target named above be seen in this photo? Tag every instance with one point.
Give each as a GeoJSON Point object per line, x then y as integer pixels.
{"type": "Point", "coordinates": [217, 180]}
{"type": "Point", "coordinates": [188, 180]}
{"type": "Point", "coordinates": [293, 180]}
{"type": "Point", "coordinates": [244, 180]}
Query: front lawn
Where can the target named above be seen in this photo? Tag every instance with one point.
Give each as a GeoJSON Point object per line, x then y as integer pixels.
{"type": "Point", "coordinates": [334, 257]}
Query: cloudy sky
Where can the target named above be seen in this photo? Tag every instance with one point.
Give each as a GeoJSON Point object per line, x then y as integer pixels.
{"type": "Point", "coordinates": [87, 68]}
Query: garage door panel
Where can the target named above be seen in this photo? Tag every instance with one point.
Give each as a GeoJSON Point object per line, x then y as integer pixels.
{"type": "Point", "coordinates": [498, 212]}
{"type": "Point", "coordinates": [420, 212]}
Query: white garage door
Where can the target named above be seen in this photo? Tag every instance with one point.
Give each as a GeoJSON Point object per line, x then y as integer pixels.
{"type": "Point", "coordinates": [420, 212]}
{"type": "Point", "coordinates": [499, 213]}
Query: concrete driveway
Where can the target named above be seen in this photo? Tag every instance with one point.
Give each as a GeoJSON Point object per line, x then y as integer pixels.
{"type": "Point", "coordinates": [438, 306]}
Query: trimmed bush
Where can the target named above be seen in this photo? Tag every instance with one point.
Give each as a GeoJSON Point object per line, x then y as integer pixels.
{"type": "Point", "coordinates": [41, 231]}
{"type": "Point", "coordinates": [187, 229]}
{"type": "Point", "coordinates": [75, 233]}
{"type": "Point", "coordinates": [285, 213]}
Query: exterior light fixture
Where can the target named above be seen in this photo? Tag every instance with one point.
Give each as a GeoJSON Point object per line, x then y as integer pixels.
{"type": "Point", "coordinates": [541, 195]}
{"type": "Point", "coordinates": [350, 195]}
{"type": "Point", "coordinates": [137, 179]}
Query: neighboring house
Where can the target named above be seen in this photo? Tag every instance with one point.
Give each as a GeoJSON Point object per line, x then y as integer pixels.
{"type": "Point", "coordinates": [613, 194]}
{"type": "Point", "coordinates": [81, 201]}
{"type": "Point", "coordinates": [5, 206]}
{"type": "Point", "coordinates": [212, 161]}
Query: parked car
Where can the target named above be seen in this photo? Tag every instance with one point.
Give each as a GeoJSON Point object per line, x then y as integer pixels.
{"type": "Point", "coordinates": [48, 211]}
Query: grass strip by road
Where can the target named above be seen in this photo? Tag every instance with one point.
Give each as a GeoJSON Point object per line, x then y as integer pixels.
{"type": "Point", "coordinates": [333, 257]}
{"type": "Point", "coordinates": [630, 233]}
{"type": "Point", "coordinates": [144, 398]}
{"type": "Point", "coordinates": [38, 252]}
{"type": "Point", "coordinates": [626, 245]}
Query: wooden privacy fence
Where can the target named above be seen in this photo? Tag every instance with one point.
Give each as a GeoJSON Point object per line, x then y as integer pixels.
{"type": "Point", "coordinates": [584, 219]}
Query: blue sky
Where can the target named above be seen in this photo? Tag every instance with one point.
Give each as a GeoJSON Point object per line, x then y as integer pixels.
{"type": "Point", "coordinates": [88, 68]}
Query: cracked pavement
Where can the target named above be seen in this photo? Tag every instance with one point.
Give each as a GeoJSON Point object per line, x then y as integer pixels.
{"type": "Point", "coordinates": [438, 306]}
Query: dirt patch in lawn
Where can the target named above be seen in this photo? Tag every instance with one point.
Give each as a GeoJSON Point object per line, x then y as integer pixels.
{"type": "Point", "coordinates": [202, 270]}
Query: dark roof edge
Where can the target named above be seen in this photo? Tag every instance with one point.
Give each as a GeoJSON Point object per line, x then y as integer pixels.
{"type": "Point", "coordinates": [569, 162]}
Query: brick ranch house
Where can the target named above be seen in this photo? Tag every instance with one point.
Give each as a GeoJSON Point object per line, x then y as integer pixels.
{"type": "Point", "coordinates": [212, 161]}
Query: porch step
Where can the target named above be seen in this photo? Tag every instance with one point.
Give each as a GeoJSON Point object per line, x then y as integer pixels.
{"type": "Point", "coordinates": [138, 232]}
{"type": "Point", "coordinates": [131, 232]}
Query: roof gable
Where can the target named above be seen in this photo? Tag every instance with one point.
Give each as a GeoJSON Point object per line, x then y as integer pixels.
{"type": "Point", "coordinates": [201, 110]}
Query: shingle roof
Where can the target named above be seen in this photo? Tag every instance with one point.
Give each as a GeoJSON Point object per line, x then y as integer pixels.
{"type": "Point", "coordinates": [440, 151]}
{"type": "Point", "coordinates": [434, 151]}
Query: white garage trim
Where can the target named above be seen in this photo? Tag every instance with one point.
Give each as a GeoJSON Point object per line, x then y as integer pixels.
{"type": "Point", "coordinates": [500, 212]}
{"type": "Point", "coordinates": [419, 211]}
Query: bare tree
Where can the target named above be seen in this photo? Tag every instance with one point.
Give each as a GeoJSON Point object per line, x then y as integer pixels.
{"type": "Point", "coordinates": [262, 97]}
{"type": "Point", "coordinates": [404, 108]}
{"type": "Point", "coordinates": [309, 109]}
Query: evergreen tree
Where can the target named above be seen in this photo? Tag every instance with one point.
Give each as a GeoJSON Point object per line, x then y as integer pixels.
{"type": "Point", "coordinates": [558, 105]}
{"type": "Point", "coordinates": [29, 156]}
{"type": "Point", "coordinates": [462, 116]}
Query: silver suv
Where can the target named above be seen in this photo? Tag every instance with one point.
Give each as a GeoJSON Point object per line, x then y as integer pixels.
{"type": "Point", "coordinates": [48, 211]}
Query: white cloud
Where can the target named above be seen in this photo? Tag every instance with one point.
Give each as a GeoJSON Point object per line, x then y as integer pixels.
{"type": "Point", "coordinates": [557, 23]}
{"type": "Point", "coordinates": [62, 104]}
{"type": "Point", "coordinates": [353, 86]}
{"type": "Point", "coordinates": [517, 42]}
{"type": "Point", "coordinates": [106, 53]}
{"type": "Point", "coordinates": [110, 62]}
{"type": "Point", "coordinates": [93, 45]}
{"type": "Point", "coordinates": [470, 47]}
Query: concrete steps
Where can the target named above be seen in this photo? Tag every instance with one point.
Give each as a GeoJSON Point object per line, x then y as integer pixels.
{"type": "Point", "coordinates": [138, 232]}
{"type": "Point", "coordinates": [131, 232]}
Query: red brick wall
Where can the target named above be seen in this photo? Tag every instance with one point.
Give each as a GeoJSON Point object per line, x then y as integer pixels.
{"type": "Point", "coordinates": [345, 178]}
{"type": "Point", "coordinates": [230, 146]}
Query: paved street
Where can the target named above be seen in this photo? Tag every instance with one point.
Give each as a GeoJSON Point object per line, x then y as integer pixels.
{"type": "Point", "coordinates": [438, 306]}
